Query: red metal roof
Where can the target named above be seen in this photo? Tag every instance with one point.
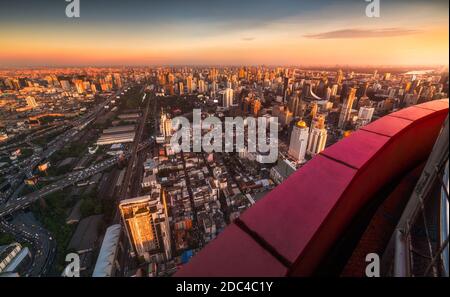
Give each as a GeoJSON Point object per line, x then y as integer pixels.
{"type": "Point", "coordinates": [290, 230]}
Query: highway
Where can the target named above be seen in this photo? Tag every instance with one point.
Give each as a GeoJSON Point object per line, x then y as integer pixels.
{"type": "Point", "coordinates": [56, 144]}
{"type": "Point", "coordinates": [28, 231]}
{"type": "Point", "coordinates": [40, 240]}
{"type": "Point", "coordinates": [68, 180]}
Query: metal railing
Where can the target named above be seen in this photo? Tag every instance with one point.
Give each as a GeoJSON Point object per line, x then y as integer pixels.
{"type": "Point", "coordinates": [420, 240]}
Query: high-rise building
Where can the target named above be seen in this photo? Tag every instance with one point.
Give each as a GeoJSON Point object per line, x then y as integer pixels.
{"type": "Point", "coordinates": [65, 84]}
{"type": "Point", "coordinates": [318, 137]}
{"type": "Point", "coordinates": [228, 95]}
{"type": "Point", "coordinates": [139, 223]}
{"type": "Point", "coordinates": [165, 125]}
{"type": "Point", "coordinates": [299, 141]}
{"type": "Point", "coordinates": [79, 85]}
{"type": "Point", "coordinates": [296, 105]}
{"type": "Point", "coordinates": [147, 225]}
{"type": "Point", "coordinates": [201, 86]}
{"type": "Point", "coordinates": [256, 107]}
{"type": "Point", "coordinates": [31, 102]}
{"type": "Point", "coordinates": [180, 88]}
{"type": "Point", "coordinates": [117, 80]}
{"type": "Point", "coordinates": [365, 115]}
{"type": "Point", "coordinates": [346, 109]}
{"type": "Point", "coordinates": [339, 77]}
{"type": "Point", "coordinates": [189, 84]}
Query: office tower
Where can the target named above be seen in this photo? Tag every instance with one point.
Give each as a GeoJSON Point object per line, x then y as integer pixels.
{"type": "Point", "coordinates": [346, 109]}
{"type": "Point", "coordinates": [241, 73]}
{"type": "Point", "coordinates": [296, 105]}
{"type": "Point", "coordinates": [213, 74]}
{"type": "Point", "coordinates": [65, 84]}
{"type": "Point", "coordinates": [165, 125]}
{"type": "Point", "coordinates": [117, 81]}
{"type": "Point", "coordinates": [214, 88]}
{"type": "Point", "coordinates": [339, 77]}
{"type": "Point", "coordinates": [334, 90]}
{"type": "Point", "coordinates": [139, 223]}
{"type": "Point", "coordinates": [286, 82]}
{"type": "Point", "coordinates": [201, 86]}
{"type": "Point", "coordinates": [362, 90]}
{"type": "Point", "coordinates": [364, 116]}
{"type": "Point", "coordinates": [180, 88]}
{"type": "Point", "coordinates": [256, 107]}
{"type": "Point", "coordinates": [299, 141]}
{"type": "Point", "coordinates": [171, 78]}
{"type": "Point", "coordinates": [189, 84]}
{"type": "Point", "coordinates": [328, 93]}
{"type": "Point", "coordinates": [31, 102]}
{"type": "Point", "coordinates": [146, 222]}
{"type": "Point", "coordinates": [318, 137]}
{"type": "Point", "coordinates": [314, 109]}
{"type": "Point", "coordinates": [228, 97]}
{"type": "Point", "coordinates": [79, 86]}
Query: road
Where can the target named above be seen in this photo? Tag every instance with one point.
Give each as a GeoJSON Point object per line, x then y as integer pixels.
{"type": "Point", "coordinates": [69, 179]}
{"type": "Point", "coordinates": [56, 144]}
{"type": "Point", "coordinates": [29, 232]}
{"type": "Point", "coordinates": [43, 245]}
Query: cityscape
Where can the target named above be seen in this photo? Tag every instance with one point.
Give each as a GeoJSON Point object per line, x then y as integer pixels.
{"type": "Point", "coordinates": [88, 167]}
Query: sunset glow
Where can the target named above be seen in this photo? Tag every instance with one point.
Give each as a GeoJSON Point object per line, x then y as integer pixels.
{"type": "Point", "coordinates": [408, 34]}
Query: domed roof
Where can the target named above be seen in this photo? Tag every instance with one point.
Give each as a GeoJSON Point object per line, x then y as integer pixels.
{"type": "Point", "coordinates": [301, 124]}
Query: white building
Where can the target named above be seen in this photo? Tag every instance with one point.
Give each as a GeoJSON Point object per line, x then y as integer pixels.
{"type": "Point", "coordinates": [299, 141]}
{"type": "Point", "coordinates": [165, 126]}
{"type": "Point", "coordinates": [365, 115]}
{"type": "Point", "coordinates": [317, 138]}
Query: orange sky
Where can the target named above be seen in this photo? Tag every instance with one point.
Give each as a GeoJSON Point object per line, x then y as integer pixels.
{"type": "Point", "coordinates": [400, 39]}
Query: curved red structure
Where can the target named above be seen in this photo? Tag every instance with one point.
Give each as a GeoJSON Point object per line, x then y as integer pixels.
{"type": "Point", "coordinates": [293, 228]}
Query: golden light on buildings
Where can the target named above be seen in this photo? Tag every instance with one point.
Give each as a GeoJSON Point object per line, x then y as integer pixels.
{"type": "Point", "coordinates": [347, 133]}
{"type": "Point", "coordinates": [321, 122]}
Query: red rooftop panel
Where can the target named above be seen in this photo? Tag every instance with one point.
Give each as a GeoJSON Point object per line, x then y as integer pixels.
{"type": "Point", "coordinates": [412, 113]}
{"type": "Point", "coordinates": [357, 149]}
{"type": "Point", "coordinates": [289, 216]}
{"type": "Point", "coordinates": [435, 105]}
{"type": "Point", "coordinates": [303, 217]}
{"type": "Point", "coordinates": [233, 253]}
{"type": "Point", "coordinates": [388, 126]}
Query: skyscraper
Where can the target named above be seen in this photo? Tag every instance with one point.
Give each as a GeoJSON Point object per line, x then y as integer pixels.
{"type": "Point", "coordinates": [189, 84]}
{"type": "Point", "coordinates": [147, 225]}
{"type": "Point", "coordinates": [80, 86]}
{"type": "Point", "coordinates": [346, 109]}
{"type": "Point", "coordinates": [318, 137]}
{"type": "Point", "coordinates": [201, 86]}
{"type": "Point", "coordinates": [31, 102]}
{"type": "Point", "coordinates": [299, 141]}
{"type": "Point", "coordinates": [228, 97]}
{"type": "Point", "coordinates": [365, 115]}
{"type": "Point", "coordinates": [165, 125]}
{"type": "Point", "coordinates": [139, 223]}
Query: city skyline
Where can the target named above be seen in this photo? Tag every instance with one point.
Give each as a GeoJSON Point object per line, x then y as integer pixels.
{"type": "Point", "coordinates": [224, 33]}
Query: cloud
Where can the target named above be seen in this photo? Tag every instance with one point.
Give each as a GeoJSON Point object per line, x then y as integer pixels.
{"type": "Point", "coordinates": [248, 38]}
{"type": "Point", "coordinates": [362, 33]}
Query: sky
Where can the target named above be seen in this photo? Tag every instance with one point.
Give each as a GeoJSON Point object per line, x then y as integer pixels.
{"type": "Point", "coordinates": [219, 32]}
